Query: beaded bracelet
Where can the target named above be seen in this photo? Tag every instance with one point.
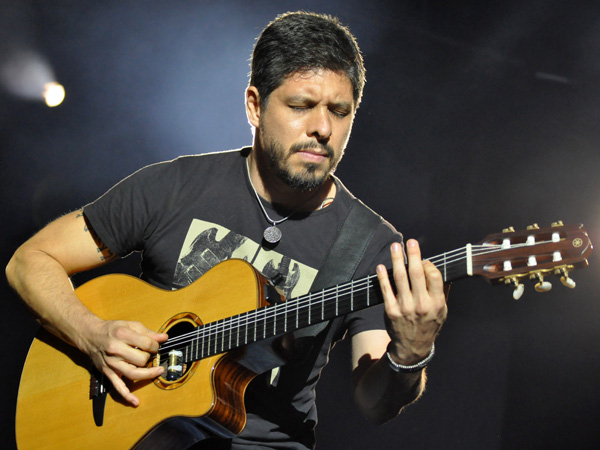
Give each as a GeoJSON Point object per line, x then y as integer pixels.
{"type": "Point", "coordinates": [413, 368]}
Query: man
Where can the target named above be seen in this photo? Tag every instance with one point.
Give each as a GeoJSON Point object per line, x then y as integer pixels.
{"type": "Point", "coordinates": [276, 204]}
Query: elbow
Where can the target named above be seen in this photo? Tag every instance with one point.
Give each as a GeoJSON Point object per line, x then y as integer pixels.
{"type": "Point", "coordinates": [16, 269]}
{"type": "Point", "coordinates": [10, 270]}
{"type": "Point", "coordinates": [381, 413]}
{"type": "Point", "coordinates": [378, 416]}
{"type": "Point", "coordinates": [379, 409]}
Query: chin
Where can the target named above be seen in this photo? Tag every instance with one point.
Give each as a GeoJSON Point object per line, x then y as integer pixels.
{"type": "Point", "coordinates": [305, 180]}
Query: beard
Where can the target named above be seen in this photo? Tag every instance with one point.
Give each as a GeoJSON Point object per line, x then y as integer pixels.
{"type": "Point", "coordinates": [311, 175]}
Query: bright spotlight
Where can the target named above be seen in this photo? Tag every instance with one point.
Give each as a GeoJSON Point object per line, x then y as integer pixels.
{"type": "Point", "coordinates": [28, 75]}
{"type": "Point", "coordinates": [54, 94]}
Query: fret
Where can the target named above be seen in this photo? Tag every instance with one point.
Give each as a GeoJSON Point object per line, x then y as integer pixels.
{"type": "Point", "coordinates": [445, 273]}
{"type": "Point", "coordinates": [309, 307]}
{"type": "Point", "coordinates": [231, 328]}
{"type": "Point", "coordinates": [189, 350]}
{"type": "Point", "coordinates": [214, 336]}
{"type": "Point", "coordinates": [351, 296]}
{"type": "Point", "coordinates": [220, 335]}
{"type": "Point", "coordinates": [223, 337]}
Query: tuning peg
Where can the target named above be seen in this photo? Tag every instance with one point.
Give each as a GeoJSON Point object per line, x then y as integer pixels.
{"type": "Point", "coordinates": [519, 288]}
{"type": "Point", "coordinates": [565, 279]}
{"type": "Point", "coordinates": [534, 226]}
{"type": "Point", "coordinates": [568, 282]}
{"type": "Point", "coordinates": [558, 223]}
{"type": "Point", "coordinates": [541, 286]}
{"type": "Point", "coordinates": [518, 292]}
{"type": "Point", "coordinates": [508, 230]}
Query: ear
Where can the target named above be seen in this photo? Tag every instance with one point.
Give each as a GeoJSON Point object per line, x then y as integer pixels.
{"type": "Point", "coordinates": [253, 106]}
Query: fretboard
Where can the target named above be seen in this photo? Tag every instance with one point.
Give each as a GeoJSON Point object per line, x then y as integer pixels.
{"type": "Point", "coordinates": [301, 312]}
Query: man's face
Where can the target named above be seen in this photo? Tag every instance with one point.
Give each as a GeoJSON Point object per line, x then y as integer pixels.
{"type": "Point", "coordinates": [305, 126]}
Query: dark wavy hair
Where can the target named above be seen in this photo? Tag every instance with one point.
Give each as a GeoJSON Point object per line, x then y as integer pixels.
{"type": "Point", "coordinates": [303, 41]}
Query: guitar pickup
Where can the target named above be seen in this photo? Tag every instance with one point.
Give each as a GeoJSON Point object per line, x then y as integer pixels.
{"type": "Point", "coordinates": [98, 393]}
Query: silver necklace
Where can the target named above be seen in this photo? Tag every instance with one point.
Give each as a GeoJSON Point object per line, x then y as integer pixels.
{"type": "Point", "coordinates": [272, 234]}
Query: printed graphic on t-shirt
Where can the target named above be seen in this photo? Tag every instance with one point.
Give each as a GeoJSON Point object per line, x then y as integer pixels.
{"type": "Point", "coordinates": [207, 244]}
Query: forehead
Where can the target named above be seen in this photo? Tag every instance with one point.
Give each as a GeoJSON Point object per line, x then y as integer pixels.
{"type": "Point", "coordinates": [317, 84]}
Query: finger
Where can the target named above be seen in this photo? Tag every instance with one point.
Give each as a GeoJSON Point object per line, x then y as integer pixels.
{"type": "Point", "coordinates": [415, 268]}
{"type": "Point", "coordinates": [122, 347]}
{"type": "Point", "coordinates": [384, 282]}
{"type": "Point", "coordinates": [435, 281]}
{"type": "Point", "coordinates": [144, 338]}
{"type": "Point", "coordinates": [139, 373]}
{"type": "Point", "coordinates": [120, 386]}
{"type": "Point", "coordinates": [400, 275]}
{"type": "Point", "coordinates": [123, 369]}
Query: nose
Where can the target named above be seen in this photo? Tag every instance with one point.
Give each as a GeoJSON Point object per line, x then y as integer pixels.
{"type": "Point", "coordinates": [319, 125]}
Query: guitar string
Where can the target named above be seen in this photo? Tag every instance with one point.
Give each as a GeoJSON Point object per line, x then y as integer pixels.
{"type": "Point", "coordinates": [218, 328]}
{"type": "Point", "coordinates": [225, 325]}
{"type": "Point", "coordinates": [266, 314]}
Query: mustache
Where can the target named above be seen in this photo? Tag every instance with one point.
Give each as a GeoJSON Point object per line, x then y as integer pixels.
{"type": "Point", "coordinates": [301, 146]}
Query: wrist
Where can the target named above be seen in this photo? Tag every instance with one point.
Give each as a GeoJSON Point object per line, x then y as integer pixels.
{"type": "Point", "coordinates": [86, 330]}
{"type": "Point", "coordinates": [396, 367]}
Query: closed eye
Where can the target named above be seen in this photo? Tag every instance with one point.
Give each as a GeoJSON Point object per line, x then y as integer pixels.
{"type": "Point", "coordinates": [340, 113]}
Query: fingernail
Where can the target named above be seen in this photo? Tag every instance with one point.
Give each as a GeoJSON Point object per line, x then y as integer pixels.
{"type": "Point", "coordinates": [396, 247]}
{"type": "Point", "coordinates": [411, 243]}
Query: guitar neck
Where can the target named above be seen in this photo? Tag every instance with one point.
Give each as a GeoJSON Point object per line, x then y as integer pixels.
{"type": "Point", "coordinates": [301, 312]}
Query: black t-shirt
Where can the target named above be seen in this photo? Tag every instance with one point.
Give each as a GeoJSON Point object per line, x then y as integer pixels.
{"type": "Point", "coordinates": [188, 214]}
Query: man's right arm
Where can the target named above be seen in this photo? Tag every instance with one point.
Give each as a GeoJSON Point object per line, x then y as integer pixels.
{"type": "Point", "coordinates": [39, 271]}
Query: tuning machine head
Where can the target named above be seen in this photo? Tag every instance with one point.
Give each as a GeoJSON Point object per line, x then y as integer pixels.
{"type": "Point", "coordinates": [541, 285]}
{"type": "Point", "coordinates": [519, 287]}
{"type": "Point", "coordinates": [563, 272]}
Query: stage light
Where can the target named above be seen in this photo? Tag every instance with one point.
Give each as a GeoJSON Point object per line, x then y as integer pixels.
{"type": "Point", "coordinates": [54, 94]}
{"type": "Point", "coordinates": [26, 74]}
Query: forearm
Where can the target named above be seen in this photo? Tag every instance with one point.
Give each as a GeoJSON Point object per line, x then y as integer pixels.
{"type": "Point", "coordinates": [381, 392]}
{"type": "Point", "coordinates": [45, 287]}
{"type": "Point", "coordinates": [39, 271]}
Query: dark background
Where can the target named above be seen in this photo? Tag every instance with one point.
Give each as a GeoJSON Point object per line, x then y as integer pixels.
{"type": "Point", "coordinates": [477, 115]}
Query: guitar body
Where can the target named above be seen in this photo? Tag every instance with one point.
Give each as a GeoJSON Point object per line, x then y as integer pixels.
{"type": "Point", "coordinates": [54, 409]}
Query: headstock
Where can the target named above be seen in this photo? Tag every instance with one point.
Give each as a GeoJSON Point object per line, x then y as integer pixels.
{"type": "Point", "coordinates": [511, 256]}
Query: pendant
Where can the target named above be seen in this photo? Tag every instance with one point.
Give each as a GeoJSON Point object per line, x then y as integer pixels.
{"type": "Point", "coordinates": [272, 234]}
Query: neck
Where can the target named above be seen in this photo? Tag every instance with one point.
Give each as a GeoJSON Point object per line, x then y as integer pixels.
{"type": "Point", "coordinates": [277, 192]}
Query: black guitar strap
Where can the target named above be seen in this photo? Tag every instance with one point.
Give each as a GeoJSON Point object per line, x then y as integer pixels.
{"type": "Point", "coordinates": [346, 252]}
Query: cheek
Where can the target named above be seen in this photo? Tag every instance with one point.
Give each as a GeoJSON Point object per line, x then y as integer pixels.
{"type": "Point", "coordinates": [285, 129]}
{"type": "Point", "coordinates": [343, 136]}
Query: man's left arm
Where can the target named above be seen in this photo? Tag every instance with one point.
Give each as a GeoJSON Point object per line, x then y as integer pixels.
{"type": "Point", "coordinates": [415, 311]}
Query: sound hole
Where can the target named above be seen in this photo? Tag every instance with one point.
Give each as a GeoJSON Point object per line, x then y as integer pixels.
{"type": "Point", "coordinates": [172, 358]}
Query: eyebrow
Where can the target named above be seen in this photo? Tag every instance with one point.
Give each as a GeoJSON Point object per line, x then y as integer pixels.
{"type": "Point", "coordinates": [308, 99]}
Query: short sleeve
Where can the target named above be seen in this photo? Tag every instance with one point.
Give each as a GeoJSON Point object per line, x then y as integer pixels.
{"type": "Point", "coordinates": [122, 217]}
{"type": "Point", "coordinates": [378, 253]}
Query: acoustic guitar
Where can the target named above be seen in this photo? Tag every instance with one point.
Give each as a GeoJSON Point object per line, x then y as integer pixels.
{"type": "Point", "coordinates": [221, 328]}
